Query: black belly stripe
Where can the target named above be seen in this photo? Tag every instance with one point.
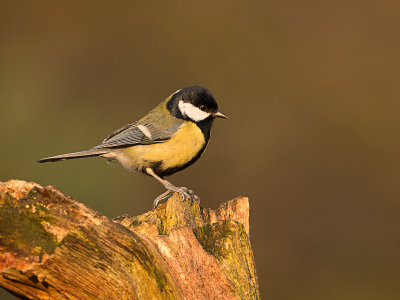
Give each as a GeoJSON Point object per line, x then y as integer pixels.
{"type": "Point", "coordinates": [157, 166]}
{"type": "Point", "coordinates": [160, 171]}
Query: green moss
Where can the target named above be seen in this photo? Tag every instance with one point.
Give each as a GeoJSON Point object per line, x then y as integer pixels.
{"type": "Point", "coordinates": [228, 242]}
{"type": "Point", "coordinates": [216, 238]}
{"type": "Point", "coordinates": [205, 236]}
{"type": "Point", "coordinates": [178, 213]}
{"type": "Point", "coordinates": [22, 225]}
{"type": "Point", "coordinates": [145, 266]}
{"type": "Point", "coordinates": [79, 237]}
{"type": "Point", "coordinates": [33, 194]}
{"type": "Point", "coordinates": [160, 279]}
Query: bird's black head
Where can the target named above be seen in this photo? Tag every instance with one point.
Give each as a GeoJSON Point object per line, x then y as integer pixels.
{"type": "Point", "coordinates": [194, 103]}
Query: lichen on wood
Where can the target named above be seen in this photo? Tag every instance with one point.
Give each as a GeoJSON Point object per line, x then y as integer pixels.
{"type": "Point", "coordinates": [53, 247]}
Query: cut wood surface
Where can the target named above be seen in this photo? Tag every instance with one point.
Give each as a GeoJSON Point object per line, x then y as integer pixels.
{"type": "Point", "coordinates": [53, 247]}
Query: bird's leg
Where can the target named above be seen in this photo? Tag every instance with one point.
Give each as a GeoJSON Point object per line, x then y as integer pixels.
{"type": "Point", "coordinates": [185, 193]}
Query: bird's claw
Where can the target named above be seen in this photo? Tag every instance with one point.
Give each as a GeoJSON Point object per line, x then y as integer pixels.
{"type": "Point", "coordinates": [162, 198]}
{"type": "Point", "coordinates": [183, 191]}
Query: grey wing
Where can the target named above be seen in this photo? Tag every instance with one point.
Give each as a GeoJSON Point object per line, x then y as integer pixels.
{"type": "Point", "coordinates": [119, 130]}
{"type": "Point", "coordinates": [138, 134]}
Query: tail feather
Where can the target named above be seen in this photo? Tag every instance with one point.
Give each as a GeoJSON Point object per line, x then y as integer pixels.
{"type": "Point", "coordinates": [80, 154]}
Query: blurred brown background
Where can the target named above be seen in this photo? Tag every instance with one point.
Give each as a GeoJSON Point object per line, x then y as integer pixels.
{"type": "Point", "coordinates": [312, 91]}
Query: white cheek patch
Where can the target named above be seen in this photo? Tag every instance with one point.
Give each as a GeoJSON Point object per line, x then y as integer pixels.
{"type": "Point", "coordinates": [192, 112]}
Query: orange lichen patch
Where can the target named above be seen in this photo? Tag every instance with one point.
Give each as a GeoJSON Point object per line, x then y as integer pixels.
{"type": "Point", "coordinates": [10, 259]}
{"type": "Point", "coordinates": [17, 188]}
{"type": "Point", "coordinates": [58, 231]}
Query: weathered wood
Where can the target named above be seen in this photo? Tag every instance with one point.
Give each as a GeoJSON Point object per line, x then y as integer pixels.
{"type": "Point", "coordinates": [53, 247]}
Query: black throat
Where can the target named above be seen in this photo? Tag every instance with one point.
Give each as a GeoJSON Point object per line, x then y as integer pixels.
{"type": "Point", "coordinates": [205, 127]}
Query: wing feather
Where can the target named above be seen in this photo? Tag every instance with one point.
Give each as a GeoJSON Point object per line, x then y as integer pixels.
{"type": "Point", "coordinates": [131, 134]}
{"type": "Point", "coordinates": [119, 131]}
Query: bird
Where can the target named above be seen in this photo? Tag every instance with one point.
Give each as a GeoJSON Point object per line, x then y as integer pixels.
{"type": "Point", "coordinates": [168, 139]}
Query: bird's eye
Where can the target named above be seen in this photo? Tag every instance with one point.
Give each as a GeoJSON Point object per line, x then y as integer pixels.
{"type": "Point", "coordinates": [202, 107]}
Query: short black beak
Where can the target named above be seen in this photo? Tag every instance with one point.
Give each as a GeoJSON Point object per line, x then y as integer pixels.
{"type": "Point", "coordinates": [219, 114]}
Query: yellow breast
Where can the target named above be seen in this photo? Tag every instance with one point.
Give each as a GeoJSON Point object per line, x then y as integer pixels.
{"type": "Point", "coordinates": [184, 145]}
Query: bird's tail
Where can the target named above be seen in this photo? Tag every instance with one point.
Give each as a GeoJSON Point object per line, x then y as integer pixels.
{"type": "Point", "coordinates": [80, 154]}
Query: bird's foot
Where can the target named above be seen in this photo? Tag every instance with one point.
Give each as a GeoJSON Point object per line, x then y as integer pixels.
{"type": "Point", "coordinates": [188, 194]}
{"type": "Point", "coordinates": [183, 191]}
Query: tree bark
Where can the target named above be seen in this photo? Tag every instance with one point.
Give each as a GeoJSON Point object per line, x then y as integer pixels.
{"type": "Point", "coordinates": [53, 247]}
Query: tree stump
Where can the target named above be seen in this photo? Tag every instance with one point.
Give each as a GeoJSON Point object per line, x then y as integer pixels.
{"type": "Point", "coordinates": [53, 247]}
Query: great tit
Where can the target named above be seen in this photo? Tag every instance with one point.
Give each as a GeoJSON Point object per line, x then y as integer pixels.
{"type": "Point", "coordinates": [168, 139]}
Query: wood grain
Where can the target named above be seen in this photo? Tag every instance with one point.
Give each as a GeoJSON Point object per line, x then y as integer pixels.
{"type": "Point", "coordinates": [53, 247]}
